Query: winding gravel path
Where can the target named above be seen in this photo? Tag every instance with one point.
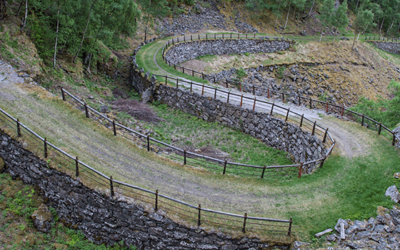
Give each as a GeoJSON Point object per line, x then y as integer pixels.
{"type": "Point", "coordinates": [347, 143]}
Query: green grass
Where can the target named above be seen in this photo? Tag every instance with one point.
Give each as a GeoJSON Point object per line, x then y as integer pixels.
{"type": "Point", "coordinates": [207, 58]}
{"type": "Point", "coordinates": [187, 131]}
{"type": "Point", "coordinates": [18, 202]}
{"type": "Point", "coordinates": [145, 60]}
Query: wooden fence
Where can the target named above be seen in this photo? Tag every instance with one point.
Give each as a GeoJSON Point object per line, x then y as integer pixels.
{"type": "Point", "coordinates": [222, 166]}
{"type": "Point", "coordinates": [205, 37]}
{"type": "Point", "coordinates": [312, 103]}
{"type": "Point", "coordinates": [193, 215]}
{"type": "Point", "coordinates": [381, 38]}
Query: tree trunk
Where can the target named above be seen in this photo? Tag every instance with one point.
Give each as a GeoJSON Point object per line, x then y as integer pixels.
{"type": "Point", "coordinates": [84, 32]}
{"type": "Point", "coordinates": [26, 15]}
{"type": "Point", "coordinates": [19, 8]}
{"type": "Point", "coordinates": [3, 9]}
{"type": "Point", "coordinates": [380, 30]}
{"type": "Point", "coordinates": [320, 37]}
{"type": "Point", "coordinates": [55, 45]}
{"type": "Point", "coordinates": [357, 5]}
{"type": "Point", "coordinates": [390, 27]}
{"type": "Point", "coordinates": [287, 18]}
{"type": "Point", "coordinates": [354, 41]}
{"type": "Point", "coordinates": [312, 6]}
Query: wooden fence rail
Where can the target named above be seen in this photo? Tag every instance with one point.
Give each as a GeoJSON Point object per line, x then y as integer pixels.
{"type": "Point", "coordinates": [223, 164]}
{"type": "Point", "coordinates": [172, 207]}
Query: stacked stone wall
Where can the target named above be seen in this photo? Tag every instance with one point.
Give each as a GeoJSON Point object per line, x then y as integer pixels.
{"type": "Point", "coordinates": [182, 52]}
{"type": "Point", "coordinates": [272, 131]}
{"type": "Point", "coordinates": [106, 220]}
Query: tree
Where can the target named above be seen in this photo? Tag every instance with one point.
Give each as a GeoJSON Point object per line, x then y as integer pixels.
{"type": "Point", "coordinates": [364, 19]}
{"type": "Point", "coordinates": [3, 9]}
{"type": "Point", "coordinates": [336, 18]}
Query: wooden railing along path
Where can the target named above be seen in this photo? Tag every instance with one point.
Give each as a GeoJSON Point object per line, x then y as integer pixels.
{"type": "Point", "coordinates": [194, 215]}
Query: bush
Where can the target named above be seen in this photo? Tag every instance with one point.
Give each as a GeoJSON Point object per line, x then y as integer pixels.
{"type": "Point", "coordinates": [382, 110]}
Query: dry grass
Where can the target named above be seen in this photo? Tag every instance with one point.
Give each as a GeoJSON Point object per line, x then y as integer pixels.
{"type": "Point", "coordinates": [136, 109]}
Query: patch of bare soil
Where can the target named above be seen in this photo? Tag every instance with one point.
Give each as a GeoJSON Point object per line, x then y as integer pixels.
{"type": "Point", "coordinates": [207, 151]}
{"type": "Point", "coordinates": [195, 64]}
{"type": "Point", "coordinates": [136, 109]}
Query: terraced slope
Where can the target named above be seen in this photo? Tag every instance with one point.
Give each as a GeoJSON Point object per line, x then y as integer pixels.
{"type": "Point", "coordinates": [314, 202]}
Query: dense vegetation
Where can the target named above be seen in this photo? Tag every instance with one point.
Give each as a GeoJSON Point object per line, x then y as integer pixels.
{"type": "Point", "coordinates": [385, 111]}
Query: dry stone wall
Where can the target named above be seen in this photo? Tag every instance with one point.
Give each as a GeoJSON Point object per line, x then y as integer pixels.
{"type": "Point", "coordinates": [390, 47]}
{"type": "Point", "coordinates": [106, 220]}
{"type": "Point", "coordinates": [272, 131]}
{"type": "Point", "coordinates": [182, 52]}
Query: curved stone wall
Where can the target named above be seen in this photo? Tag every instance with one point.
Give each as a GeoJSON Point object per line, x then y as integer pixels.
{"type": "Point", "coordinates": [390, 47]}
{"type": "Point", "coordinates": [182, 52]}
{"type": "Point", "coordinates": [109, 220]}
{"type": "Point", "coordinates": [272, 131]}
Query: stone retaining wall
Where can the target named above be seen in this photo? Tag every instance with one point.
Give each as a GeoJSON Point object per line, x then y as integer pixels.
{"type": "Point", "coordinates": [272, 131]}
{"type": "Point", "coordinates": [182, 52]}
{"type": "Point", "coordinates": [106, 220]}
{"type": "Point", "coordinates": [390, 47]}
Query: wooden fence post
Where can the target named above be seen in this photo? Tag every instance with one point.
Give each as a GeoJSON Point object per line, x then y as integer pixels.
{"type": "Point", "coordinates": [226, 81]}
{"type": "Point", "coordinates": [63, 94]}
{"type": "Point", "coordinates": [240, 86]}
{"type": "Point", "coordinates": [202, 75]}
{"type": "Point", "coordinates": [225, 166]}
{"type": "Point", "coordinates": [148, 143]}
{"type": "Point", "coordinates": [184, 157]}
{"type": "Point", "coordinates": [362, 121]}
{"type": "Point", "coordinates": [215, 94]}
{"type": "Point", "coordinates": [322, 162]}
{"type": "Point", "coordinates": [246, 36]}
{"type": "Point", "coordinates": [241, 101]}
{"type": "Point", "coordinates": [114, 128]}
{"type": "Point", "coordinates": [300, 170]}
{"type": "Point", "coordinates": [283, 97]}
{"type": "Point", "coordinates": [287, 114]}
{"type": "Point", "coordinates": [313, 129]}
{"type": "Point", "coordinates": [299, 100]}
{"type": "Point", "coordinates": [199, 216]}
{"type": "Point", "coordinates": [227, 101]}
{"type": "Point", "coordinates": [254, 90]}
{"type": "Point", "coordinates": [290, 227]}
{"type": "Point", "coordinates": [301, 121]}
{"type": "Point", "coordinates": [111, 186]}
{"type": "Point", "coordinates": [244, 223]}
{"type": "Point", "coordinates": [272, 109]}
{"type": "Point", "coordinates": [86, 110]}
{"type": "Point", "coordinates": [45, 148]}
{"type": "Point", "coordinates": [380, 128]}
{"type": "Point", "coordinates": [326, 133]}
{"type": "Point", "coordinates": [342, 110]}
{"type": "Point", "coordinates": [231, 36]}
{"type": "Point", "coordinates": [18, 128]}
{"type": "Point", "coordinates": [166, 79]}
{"type": "Point", "coordinates": [156, 205]}
{"type": "Point", "coordinates": [327, 107]}
{"type": "Point", "coordinates": [191, 86]}
{"type": "Point", "coordinates": [262, 175]}
{"type": "Point", "coordinates": [191, 37]}
{"type": "Point", "coordinates": [394, 139]}
{"type": "Point", "coordinates": [192, 72]}
{"type": "Point", "coordinates": [206, 37]}
{"type": "Point", "coordinates": [268, 93]}
{"type": "Point", "coordinates": [254, 105]}
{"type": "Point", "coordinates": [183, 70]}
{"type": "Point", "coordinates": [177, 83]}
{"type": "Point", "coordinates": [76, 167]}
{"type": "Point", "coordinates": [202, 90]}
{"type": "Point", "coordinates": [310, 103]}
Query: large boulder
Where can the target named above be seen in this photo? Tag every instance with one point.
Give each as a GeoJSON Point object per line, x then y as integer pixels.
{"type": "Point", "coordinates": [393, 193]}
{"type": "Point", "coordinates": [42, 218]}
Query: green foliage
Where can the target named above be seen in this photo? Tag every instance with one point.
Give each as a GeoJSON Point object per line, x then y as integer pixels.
{"type": "Point", "coordinates": [382, 110]}
{"type": "Point", "coordinates": [96, 20]}
{"type": "Point", "coordinates": [280, 71]}
{"type": "Point", "coordinates": [364, 19]}
{"type": "Point", "coordinates": [240, 73]}
{"type": "Point", "coordinates": [333, 17]}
